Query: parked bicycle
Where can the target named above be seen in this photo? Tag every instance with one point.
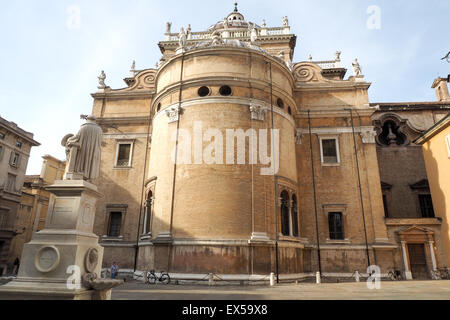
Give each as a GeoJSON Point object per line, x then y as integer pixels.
{"type": "Point", "coordinates": [152, 278]}
{"type": "Point", "coordinates": [395, 275]}
{"type": "Point", "coordinates": [441, 274]}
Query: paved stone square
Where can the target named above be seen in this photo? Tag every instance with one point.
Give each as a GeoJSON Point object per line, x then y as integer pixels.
{"type": "Point", "coordinates": [404, 290]}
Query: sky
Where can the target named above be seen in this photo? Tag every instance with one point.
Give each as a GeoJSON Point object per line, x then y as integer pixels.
{"type": "Point", "coordinates": [52, 51]}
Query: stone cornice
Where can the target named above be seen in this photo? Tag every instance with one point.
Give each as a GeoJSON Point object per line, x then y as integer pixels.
{"type": "Point", "coordinates": [121, 94]}
{"type": "Point", "coordinates": [331, 86]}
{"type": "Point", "coordinates": [123, 120]}
{"type": "Point", "coordinates": [317, 112]}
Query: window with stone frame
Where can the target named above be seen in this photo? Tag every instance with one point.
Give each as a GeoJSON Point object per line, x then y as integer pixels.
{"type": "Point", "coordinates": [329, 150]}
{"type": "Point", "coordinates": [285, 228]}
{"type": "Point", "coordinates": [2, 136]}
{"type": "Point", "coordinates": [19, 144]}
{"type": "Point", "coordinates": [336, 225]}
{"type": "Point", "coordinates": [426, 206]}
{"type": "Point", "coordinates": [385, 204]}
{"type": "Point", "coordinates": [14, 160]}
{"type": "Point", "coordinates": [447, 141]}
{"type": "Point", "coordinates": [11, 183]}
{"type": "Point", "coordinates": [295, 231]}
{"type": "Point", "coordinates": [115, 224]}
{"type": "Point", "coordinates": [148, 213]}
{"type": "Point", "coordinates": [124, 154]}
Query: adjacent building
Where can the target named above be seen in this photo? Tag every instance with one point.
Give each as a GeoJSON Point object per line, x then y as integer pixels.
{"type": "Point", "coordinates": [436, 148]}
{"type": "Point", "coordinates": [34, 202]}
{"type": "Point", "coordinates": [15, 148]}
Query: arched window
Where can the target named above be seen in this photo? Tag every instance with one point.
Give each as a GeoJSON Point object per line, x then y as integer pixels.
{"type": "Point", "coordinates": [148, 213]}
{"type": "Point", "coordinates": [285, 228]}
{"type": "Point", "coordinates": [391, 134]}
{"type": "Point", "coordinates": [280, 103]}
{"type": "Point", "coordinates": [294, 216]}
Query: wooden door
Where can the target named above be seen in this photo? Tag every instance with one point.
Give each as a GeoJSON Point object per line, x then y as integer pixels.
{"type": "Point", "coordinates": [418, 261]}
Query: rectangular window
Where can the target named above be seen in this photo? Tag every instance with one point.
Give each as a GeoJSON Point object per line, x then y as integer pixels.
{"type": "Point", "coordinates": [329, 150]}
{"type": "Point", "coordinates": [19, 144]}
{"type": "Point", "coordinates": [11, 183]}
{"type": "Point", "coordinates": [2, 136]}
{"type": "Point", "coordinates": [426, 206]}
{"type": "Point", "coordinates": [115, 223]}
{"type": "Point", "coordinates": [447, 140]}
{"type": "Point", "coordinates": [386, 211]}
{"type": "Point", "coordinates": [124, 155]}
{"type": "Point", "coordinates": [14, 160]}
{"type": "Point", "coordinates": [336, 226]}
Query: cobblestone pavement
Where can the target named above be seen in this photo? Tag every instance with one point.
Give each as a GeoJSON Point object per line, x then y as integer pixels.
{"type": "Point", "coordinates": [403, 290]}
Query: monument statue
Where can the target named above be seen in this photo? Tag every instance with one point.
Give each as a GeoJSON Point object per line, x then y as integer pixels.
{"type": "Point", "coordinates": [182, 39]}
{"type": "Point", "coordinates": [225, 24]}
{"type": "Point", "coordinates": [83, 151]}
{"type": "Point", "coordinates": [101, 80]}
{"type": "Point", "coordinates": [168, 27]}
{"type": "Point", "coordinates": [64, 260]}
{"type": "Point", "coordinates": [338, 56]}
{"type": "Point", "coordinates": [253, 33]}
{"type": "Point", "coordinates": [356, 68]}
{"type": "Point", "coordinates": [285, 21]}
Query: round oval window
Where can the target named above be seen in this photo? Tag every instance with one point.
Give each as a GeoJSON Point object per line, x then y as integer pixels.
{"type": "Point", "coordinates": [225, 91]}
{"type": "Point", "coordinates": [203, 91]}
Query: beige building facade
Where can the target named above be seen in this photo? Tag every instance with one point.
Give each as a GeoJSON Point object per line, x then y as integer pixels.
{"type": "Point", "coordinates": [15, 148]}
{"type": "Point", "coordinates": [229, 104]}
{"type": "Point", "coordinates": [436, 148]}
{"type": "Point", "coordinates": [34, 203]}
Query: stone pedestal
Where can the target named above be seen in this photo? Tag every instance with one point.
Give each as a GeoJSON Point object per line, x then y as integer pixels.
{"type": "Point", "coordinates": [58, 257]}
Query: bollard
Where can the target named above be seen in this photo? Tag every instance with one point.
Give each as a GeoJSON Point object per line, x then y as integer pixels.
{"type": "Point", "coordinates": [318, 278]}
{"type": "Point", "coordinates": [357, 276]}
{"type": "Point", "coordinates": [211, 279]}
{"type": "Point", "coordinates": [272, 279]}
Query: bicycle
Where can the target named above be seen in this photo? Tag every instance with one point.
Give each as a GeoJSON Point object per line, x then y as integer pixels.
{"type": "Point", "coordinates": [152, 278]}
{"type": "Point", "coordinates": [395, 275]}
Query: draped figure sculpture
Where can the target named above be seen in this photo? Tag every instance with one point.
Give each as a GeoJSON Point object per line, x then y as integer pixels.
{"type": "Point", "coordinates": [83, 151]}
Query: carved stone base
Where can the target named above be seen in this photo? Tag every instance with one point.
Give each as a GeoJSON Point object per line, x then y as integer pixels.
{"type": "Point", "coordinates": [43, 290]}
{"type": "Point", "coordinates": [58, 257]}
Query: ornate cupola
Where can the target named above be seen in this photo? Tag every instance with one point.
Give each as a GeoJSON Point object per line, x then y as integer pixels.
{"type": "Point", "coordinates": [235, 15]}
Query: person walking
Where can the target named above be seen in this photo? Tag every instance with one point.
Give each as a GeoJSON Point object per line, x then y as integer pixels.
{"type": "Point", "coordinates": [114, 270]}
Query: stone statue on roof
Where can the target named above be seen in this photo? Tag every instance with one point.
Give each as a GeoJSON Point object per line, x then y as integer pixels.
{"type": "Point", "coordinates": [101, 80]}
{"type": "Point", "coordinates": [182, 38]}
{"type": "Point", "coordinates": [285, 21]}
{"type": "Point", "coordinates": [357, 70]}
{"type": "Point", "coordinates": [168, 27]}
{"type": "Point", "coordinates": [253, 33]}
